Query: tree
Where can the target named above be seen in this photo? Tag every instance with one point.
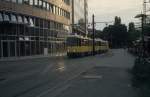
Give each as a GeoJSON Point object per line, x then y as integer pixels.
{"type": "Point", "coordinates": [117, 20]}
{"type": "Point", "coordinates": [131, 27]}
{"type": "Point", "coordinates": [116, 34]}
{"type": "Point", "coordinates": [133, 34]}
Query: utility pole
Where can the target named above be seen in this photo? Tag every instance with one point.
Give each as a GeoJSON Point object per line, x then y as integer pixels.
{"type": "Point", "coordinates": [143, 24]}
{"type": "Point", "coordinates": [93, 23]}
{"type": "Point", "coordinates": [144, 6]}
{"type": "Point", "coordinates": [143, 41]}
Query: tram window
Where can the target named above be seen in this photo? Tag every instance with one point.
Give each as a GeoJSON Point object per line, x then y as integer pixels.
{"type": "Point", "coordinates": [6, 17]}
{"type": "Point", "coordinates": [20, 19]}
{"type": "Point", "coordinates": [1, 17]}
{"type": "Point", "coordinates": [71, 41]}
{"type": "Point", "coordinates": [25, 20]}
{"type": "Point", "coordinates": [13, 18]}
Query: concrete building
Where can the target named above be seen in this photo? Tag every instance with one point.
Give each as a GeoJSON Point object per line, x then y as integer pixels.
{"type": "Point", "coordinates": [79, 17]}
{"type": "Point", "coordinates": [34, 27]}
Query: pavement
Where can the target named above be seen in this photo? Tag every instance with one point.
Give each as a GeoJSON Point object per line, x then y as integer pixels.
{"type": "Point", "coordinates": [105, 75]}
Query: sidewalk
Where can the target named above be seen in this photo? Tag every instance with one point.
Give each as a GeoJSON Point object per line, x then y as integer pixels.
{"type": "Point", "coordinates": [32, 57]}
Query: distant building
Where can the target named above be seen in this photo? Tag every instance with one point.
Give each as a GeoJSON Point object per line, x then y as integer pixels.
{"type": "Point", "coordinates": [79, 17]}
{"type": "Point", "coordinates": [34, 27]}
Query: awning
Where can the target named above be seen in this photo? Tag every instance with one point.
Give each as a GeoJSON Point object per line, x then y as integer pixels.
{"type": "Point", "coordinates": [20, 19]}
{"type": "Point", "coordinates": [26, 20]}
{"type": "Point", "coordinates": [13, 18]}
{"type": "Point", "coordinates": [6, 17]}
{"type": "Point", "coordinates": [31, 22]}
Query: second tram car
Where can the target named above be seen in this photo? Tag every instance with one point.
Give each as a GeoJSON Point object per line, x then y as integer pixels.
{"type": "Point", "coordinates": [78, 46]}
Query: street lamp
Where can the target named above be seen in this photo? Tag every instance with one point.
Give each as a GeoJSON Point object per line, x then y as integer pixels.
{"type": "Point", "coordinates": [93, 24]}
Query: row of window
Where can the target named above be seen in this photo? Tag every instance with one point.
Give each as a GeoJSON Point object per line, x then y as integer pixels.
{"type": "Point", "coordinates": [43, 5]}
{"type": "Point", "coordinates": [31, 21]}
{"type": "Point", "coordinates": [67, 2]}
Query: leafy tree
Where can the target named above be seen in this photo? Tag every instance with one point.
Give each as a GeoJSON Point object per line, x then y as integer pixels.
{"type": "Point", "coordinates": [117, 20]}
{"type": "Point", "coordinates": [131, 27]}
{"type": "Point", "coordinates": [116, 34]}
{"type": "Point", "coordinates": [133, 34]}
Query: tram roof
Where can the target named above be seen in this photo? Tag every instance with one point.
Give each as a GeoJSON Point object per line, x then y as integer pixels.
{"type": "Point", "coordinates": [81, 37]}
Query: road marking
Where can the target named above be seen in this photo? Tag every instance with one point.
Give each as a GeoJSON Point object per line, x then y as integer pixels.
{"type": "Point", "coordinates": [93, 77]}
{"type": "Point", "coordinates": [58, 86]}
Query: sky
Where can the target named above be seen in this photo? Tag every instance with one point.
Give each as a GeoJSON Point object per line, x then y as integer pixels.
{"type": "Point", "coordinates": [106, 10]}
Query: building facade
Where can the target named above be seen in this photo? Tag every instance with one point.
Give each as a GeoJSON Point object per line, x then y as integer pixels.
{"type": "Point", "coordinates": [79, 17]}
{"type": "Point", "coordinates": [33, 27]}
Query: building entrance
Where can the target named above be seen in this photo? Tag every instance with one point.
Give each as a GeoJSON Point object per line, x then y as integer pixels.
{"type": "Point", "coordinates": [8, 49]}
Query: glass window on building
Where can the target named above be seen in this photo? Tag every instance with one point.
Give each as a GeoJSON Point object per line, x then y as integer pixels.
{"type": "Point", "coordinates": [48, 6]}
{"type": "Point", "coordinates": [31, 2]}
{"type": "Point", "coordinates": [36, 2]}
{"type": "Point", "coordinates": [61, 12]}
{"type": "Point", "coordinates": [1, 17]}
{"type": "Point", "coordinates": [67, 2]}
{"type": "Point", "coordinates": [25, 20]}
{"type": "Point", "coordinates": [7, 0]}
{"type": "Point", "coordinates": [58, 11]}
{"type": "Point", "coordinates": [54, 9]}
{"type": "Point", "coordinates": [40, 3]}
{"type": "Point", "coordinates": [44, 5]}
{"type": "Point", "coordinates": [20, 1]}
{"type": "Point", "coordinates": [51, 8]}
{"type": "Point", "coordinates": [13, 18]}
{"type": "Point", "coordinates": [26, 1]}
{"type": "Point", "coordinates": [14, 1]}
{"type": "Point", "coordinates": [31, 22]}
{"type": "Point", "coordinates": [20, 19]}
{"type": "Point", "coordinates": [6, 17]}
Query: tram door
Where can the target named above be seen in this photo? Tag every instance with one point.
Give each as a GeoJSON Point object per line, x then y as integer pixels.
{"type": "Point", "coordinates": [8, 48]}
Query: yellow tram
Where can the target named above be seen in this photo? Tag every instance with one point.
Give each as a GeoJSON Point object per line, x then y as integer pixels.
{"type": "Point", "coordinates": [78, 46]}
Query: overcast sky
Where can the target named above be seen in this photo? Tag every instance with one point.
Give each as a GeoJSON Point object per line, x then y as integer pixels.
{"type": "Point", "coordinates": [106, 10]}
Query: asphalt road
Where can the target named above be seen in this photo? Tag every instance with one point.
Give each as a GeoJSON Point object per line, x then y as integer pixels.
{"type": "Point", "coordinates": [95, 76]}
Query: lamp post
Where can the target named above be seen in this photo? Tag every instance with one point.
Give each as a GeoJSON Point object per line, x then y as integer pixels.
{"type": "Point", "coordinates": [93, 25]}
